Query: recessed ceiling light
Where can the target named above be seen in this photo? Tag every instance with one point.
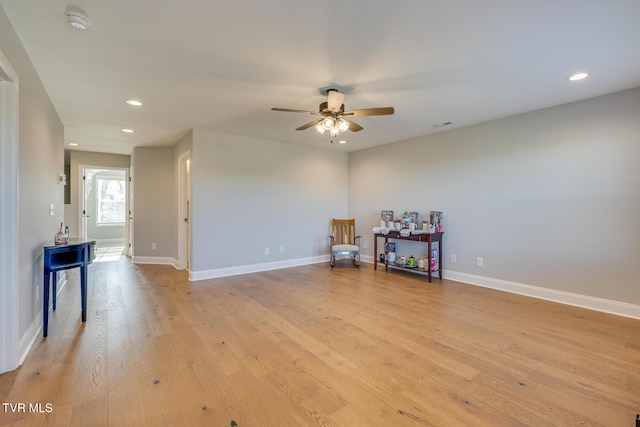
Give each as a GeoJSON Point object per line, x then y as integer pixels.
{"type": "Point", "coordinates": [73, 144]}
{"type": "Point", "coordinates": [134, 102]}
{"type": "Point", "coordinates": [578, 76]}
{"type": "Point", "coordinates": [127, 130]}
{"type": "Point", "coordinates": [77, 19]}
{"type": "Point", "coordinates": [342, 142]}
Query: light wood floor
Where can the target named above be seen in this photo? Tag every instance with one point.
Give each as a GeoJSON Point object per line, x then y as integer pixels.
{"type": "Point", "coordinates": [315, 346]}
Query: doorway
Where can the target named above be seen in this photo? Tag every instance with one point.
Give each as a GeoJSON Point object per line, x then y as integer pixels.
{"type": "Point", "coordinates": [184, 212]}
{"type": "Point", "coordinates": [104, 210]}
{"type": "Point", "coordinates": [9, 341]}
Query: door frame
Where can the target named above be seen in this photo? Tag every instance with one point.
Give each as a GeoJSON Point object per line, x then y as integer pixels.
{"type": "Point", "coordinates": [82, 232]}
{"type": "Point", "coordinates": [184, 214]}
{"type": "Point", "coordinates": [9, 300]}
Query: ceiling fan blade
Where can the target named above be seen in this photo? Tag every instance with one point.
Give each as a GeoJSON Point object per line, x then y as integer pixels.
{"type": "Point", "coordinates": [383, 111]}
{"type": "Point", "coordinates": [334, 100]}
{"type": "Point", "coordinates": [288, 110]}
{"type": "Point", "coordinates": [353, 126]}
{"type": "Point", "coordinates": [311, 123]}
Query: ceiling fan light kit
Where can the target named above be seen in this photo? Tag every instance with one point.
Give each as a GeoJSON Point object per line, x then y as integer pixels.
{"type": "Point", "coordinates": [332, 112]}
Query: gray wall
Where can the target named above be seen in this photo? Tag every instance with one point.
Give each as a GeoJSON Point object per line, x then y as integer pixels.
{"type": "Point", "coordinates": [250, 194]}
{"type": "Point", "coordinates": [549, 198]}
{"type": "Point", "coordinates": [86, 158]}
{"type": "Point", "coordinates": [154, 220]}
{"type": "Point", "coordinates": [40, 162]}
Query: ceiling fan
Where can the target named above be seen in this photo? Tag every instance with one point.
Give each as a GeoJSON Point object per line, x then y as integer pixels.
{"type": "Point", "coordinates": [333, 117]}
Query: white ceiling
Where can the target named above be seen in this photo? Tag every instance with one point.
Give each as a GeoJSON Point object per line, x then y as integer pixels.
{"type": "Point", "coordinates": [222, 65]}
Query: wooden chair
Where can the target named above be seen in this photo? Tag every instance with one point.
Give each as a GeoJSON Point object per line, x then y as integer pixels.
{"type": "Point", "coordinates": [344, 241]}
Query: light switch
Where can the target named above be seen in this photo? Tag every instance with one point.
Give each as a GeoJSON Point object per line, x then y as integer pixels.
{"type": "Point", "coordinates": [51, 210]}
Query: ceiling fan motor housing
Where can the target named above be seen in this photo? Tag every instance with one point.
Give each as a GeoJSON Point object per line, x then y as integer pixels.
{"type": "Point", "coordinates": [324, 109]}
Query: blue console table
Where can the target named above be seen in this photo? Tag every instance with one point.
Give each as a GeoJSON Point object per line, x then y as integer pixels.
{"type": "Point", "coordinates": [77, 253]}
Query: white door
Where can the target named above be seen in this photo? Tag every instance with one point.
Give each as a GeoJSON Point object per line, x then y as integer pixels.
{"type": "Point", "coordinates": [104, 206]}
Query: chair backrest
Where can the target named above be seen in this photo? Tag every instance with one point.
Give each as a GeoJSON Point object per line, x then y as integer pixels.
{"type": "Point", "coordinates": [343, 231]}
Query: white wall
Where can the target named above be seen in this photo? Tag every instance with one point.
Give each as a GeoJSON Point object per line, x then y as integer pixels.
{"type": "Point", "coordinates": [250, 194]}
{"type": "Point", "coordinates": [549, 198]}
{"type": "Point", "coordinates": [40, 162]}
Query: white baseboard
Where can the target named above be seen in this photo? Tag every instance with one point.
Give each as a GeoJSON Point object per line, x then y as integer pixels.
{"type": "Point", "coordinates": [255, 268]}
{"type": "Point", "coordinates": [584, 301]}
{"type": "Point", "coordinates": [154, 260]}
{"type": "Point", "coordinates": [562, 297]}
{"type": "Point", "coordinates": [578, 300]}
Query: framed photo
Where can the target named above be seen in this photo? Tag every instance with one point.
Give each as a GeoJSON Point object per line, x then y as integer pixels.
{"type": "Point", "coordinates": [389, 247]}
{"type": "Point", "coordinates": [387, 216]}
{"type": "Point", "coordinates": [413, 217]}
{"type": "Point", "coordinates": [437, 220]}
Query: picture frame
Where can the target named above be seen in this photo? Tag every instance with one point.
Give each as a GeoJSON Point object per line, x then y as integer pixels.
{"type": "Point", "coordinates": [389, 247]}
{"type": "Point", "coordinates": [413, 217]}
{"type": "Point", "coordinates": [437, 220]}
{"type": "Point", "coordinates": [386, 216]}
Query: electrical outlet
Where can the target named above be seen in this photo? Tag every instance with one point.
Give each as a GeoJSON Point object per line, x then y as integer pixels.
{"type": "Point", "coordinates": [454, 259]}
{"type": "Point", "coordinates": [365, 244]}
{"type": "Point", "coordinates": [281, 249]}
{"type": "Point", "coordinates": [266, 251]}
{"type": "Point", "coordinates": [480, 261]}
{"type": "Point", "coordinates": [154, 247]}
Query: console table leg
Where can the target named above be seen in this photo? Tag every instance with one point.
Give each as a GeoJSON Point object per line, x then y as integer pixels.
{"type": "Point", "coordinates": [440, 258]}
{"type": "Point", "coordinates": [429, 258]}
{"type": "Point", "coordinates": [54, 288]}
{"type": "Point", "coordinates": [45, 305]}
{"type": "Point", "coordinates": [375, 252]}
{"type": "Point", "coordinates": [83, 292]}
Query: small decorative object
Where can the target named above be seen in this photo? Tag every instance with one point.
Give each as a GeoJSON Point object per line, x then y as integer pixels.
{"type": "Point", "coordinates": [382, 257]}
{"type": "Point", "coordinates": [413, 218]}
{"type": "Point", "coordinates": [411, 262]}
{"type": "Point", "coordinates": [389, 247]}
{"type": "Point", "coordinates": [61, 237]}
{"type": "Point", "coordinates": [405, 219]}
{"type": "Point", "coordinates": [437, 220]}
{"type": "Point", "coordinates": [435, 263]}
{"type": "Point", "coordinates": [392, 257]}
{"type": "Point", "coordinates": [387, 216]}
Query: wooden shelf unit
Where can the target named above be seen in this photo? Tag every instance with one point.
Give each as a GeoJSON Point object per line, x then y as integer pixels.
{"type": "Point", "coordinates": [428, 238]}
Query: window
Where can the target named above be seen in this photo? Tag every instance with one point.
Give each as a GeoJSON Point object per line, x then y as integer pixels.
{"type": "Point", "coordinates": [111, 201]}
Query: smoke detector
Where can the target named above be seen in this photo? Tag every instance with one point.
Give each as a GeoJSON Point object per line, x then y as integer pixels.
{"type": "Point", "coordinates": [77, 18]}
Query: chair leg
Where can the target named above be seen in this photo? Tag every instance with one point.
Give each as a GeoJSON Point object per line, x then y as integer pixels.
{"type": "Point", "coordinates": [333, 260]}
{"type": "Point", "coordinates": [356, 259]}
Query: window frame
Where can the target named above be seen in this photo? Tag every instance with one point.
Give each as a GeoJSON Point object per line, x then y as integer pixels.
{"type": "Point", "coordinates": [107, 177]}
